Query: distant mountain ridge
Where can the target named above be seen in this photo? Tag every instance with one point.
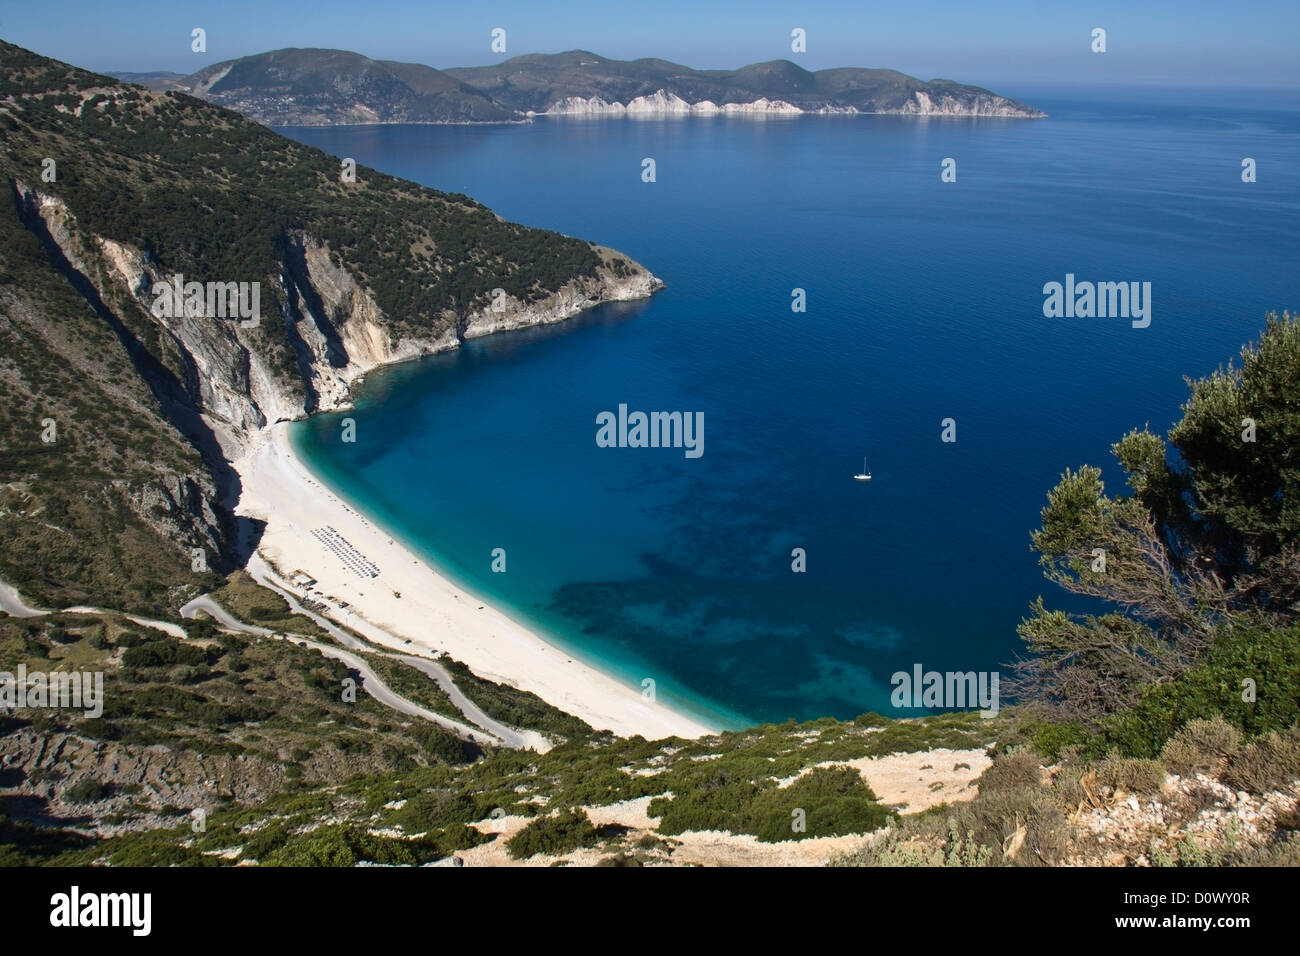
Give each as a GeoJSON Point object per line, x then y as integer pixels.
{"type": "Point", "coordinates": [313, 87]}
{"type": "Point", "coordinates": [310, 87]}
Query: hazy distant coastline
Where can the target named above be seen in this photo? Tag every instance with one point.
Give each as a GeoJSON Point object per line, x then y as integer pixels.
{"type": "Point", "coordinates": [313, 87]}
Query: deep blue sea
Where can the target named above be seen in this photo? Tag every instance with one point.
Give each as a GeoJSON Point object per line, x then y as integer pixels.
{"type": "Point", "coordinates": [924, 302]}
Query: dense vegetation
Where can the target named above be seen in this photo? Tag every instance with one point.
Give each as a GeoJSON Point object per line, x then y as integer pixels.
{"type": "Point", "coordinates": [219, 694]}
{"type": "Point", "coordinates": [556, 835]}
{"type": "Point", "coordinates": [72, 511]}
{"type": "Point", "coordinates": [1206, 546]}
{"type": "Point", "coordinates": [826, 802]}
{"type": "Point", "coordinates": [212, 195]}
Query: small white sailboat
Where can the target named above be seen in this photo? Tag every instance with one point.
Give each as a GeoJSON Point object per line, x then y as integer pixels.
{"type": "Point", "coordinates": [865, 475]}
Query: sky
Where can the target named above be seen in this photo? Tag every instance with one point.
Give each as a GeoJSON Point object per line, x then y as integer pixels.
{"type": "Point", "coordinates": [1252, 43]}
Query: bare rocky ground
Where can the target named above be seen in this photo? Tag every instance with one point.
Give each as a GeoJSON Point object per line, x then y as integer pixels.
{"type": "Point", "coordinates": [1189, 821]}
{"type": "Point", "coordinates": [1192, 821]}
{"type": "Point", "coordinates": [910, 782]}
{"type": "Point", "coordinates": [147, 786]}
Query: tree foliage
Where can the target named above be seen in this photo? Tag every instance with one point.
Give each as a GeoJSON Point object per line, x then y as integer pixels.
{"type": "Point", "coordinates": [1207, 540]}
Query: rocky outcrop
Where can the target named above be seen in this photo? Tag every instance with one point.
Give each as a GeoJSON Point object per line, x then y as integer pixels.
{"type": "Point", "coordinates": [218, 380]}
{"type": "Point", "coordinates": [1190, 816]}
{"type": "Point", "coordinates": [575, 297]}
{"type": "Point", "coordinates": [334, 325]}
{"type": "Point", "coordinates": [141, 778]}
{"type": "Point", "coordinates": [181, 508]}
{"type": "Point", "coordinates": [981, 104]}
{"type": "Point", "coordinates": [338, 329]}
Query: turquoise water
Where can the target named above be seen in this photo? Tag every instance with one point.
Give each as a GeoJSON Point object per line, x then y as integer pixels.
{"type": "Point", "coordinates": [924, 303]}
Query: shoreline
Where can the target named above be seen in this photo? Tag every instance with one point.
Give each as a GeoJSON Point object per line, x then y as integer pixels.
{"type": "Point", "coordinates": [434, 613]}
{"type": "Point", "coordinates": [531, 117]}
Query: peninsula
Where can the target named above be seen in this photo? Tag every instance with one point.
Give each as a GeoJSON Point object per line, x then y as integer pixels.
{"type": "Point", "coordinates": [310, 87]}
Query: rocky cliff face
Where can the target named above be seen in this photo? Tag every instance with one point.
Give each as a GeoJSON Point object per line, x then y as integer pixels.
{"type": "Point", "coordinates": [575, 297]}
{"type": "Point", "coordinates": [336, 329]}
{"type": "Point", "coordinates": [663, 103]}
{"type": "Point", "coordinates": [982, 104]}
{"type": "Point", "coordinates": [181, 506]}
{"type": "Point", "coordinates": [218, 380]}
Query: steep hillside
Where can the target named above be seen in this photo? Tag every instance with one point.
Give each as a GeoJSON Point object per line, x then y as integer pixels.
{"type": "Point", "coordinates": [111, 194]}
{"type": "Point", "coordinates": [325, 87]}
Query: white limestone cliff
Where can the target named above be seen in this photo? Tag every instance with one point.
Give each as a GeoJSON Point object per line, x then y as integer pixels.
{"type": "Point", "coordinates": [662, 103]}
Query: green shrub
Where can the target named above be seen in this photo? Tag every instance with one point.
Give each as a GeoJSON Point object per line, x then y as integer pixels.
{"type": "Point", "coordinates": [1022, 827]}
{"type": "Point", "coordinates": [1202, 746]}
{"type": "Point", "coordinates": [442, 745]}
{"type": "Point", "coordinates": [434, 809]}
{"type": "Point", "coordinates": [344, 845]}
{"type": "Point", "coordinates": [457, 836]}
{"type": "Point", "coordinates": [619, 859]}
{"type": "Point", "coordinates": [163, 652]}
{"type": "Point", "coordinates": [834, 801]}
{"type": "Point", "coordinates": [871, 719]}
{"type": "Point", "coordinates": [1016, 769]}
{"type": "Point", "coordinates": [904, 848]}
{"type": "Point", "coordinates": [1269, 657]}
{"type": "Point", "coordinates": [60, 635]}
{"type": "Point", "coordinates": [129, 639]}
{"type": "Point", "coordinates": [266, 612]}
{"type": "Point", "coordinates": [155, 850]}
{"type": "Point", "coordinates": [829, 801]}
{"type": "Point", "coordinates": [1134, 775]}
{"type": "Point", "coordinates": [1054, 740]}
{"type": "Point", "coordinates": [1271, 762]}
{"type": "Point", "coordinates": [326, 846]}
{"type": "Point", "coordinates": [86, 790]}
{"type": "Point", "coordinates": [555, 835]}
{"type": "Point", "coordinates": [259, 845]}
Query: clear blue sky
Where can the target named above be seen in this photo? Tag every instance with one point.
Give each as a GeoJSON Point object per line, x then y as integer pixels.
{"type": "Point", "coordinates": [1168, 42]}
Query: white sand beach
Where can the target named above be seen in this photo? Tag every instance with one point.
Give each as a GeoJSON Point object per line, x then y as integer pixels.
{"type": "Point", "coordinates": [310, 529]}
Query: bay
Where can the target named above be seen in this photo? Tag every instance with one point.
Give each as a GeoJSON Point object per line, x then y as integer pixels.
{"type": "Point", "coordinates": [924, 302]}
